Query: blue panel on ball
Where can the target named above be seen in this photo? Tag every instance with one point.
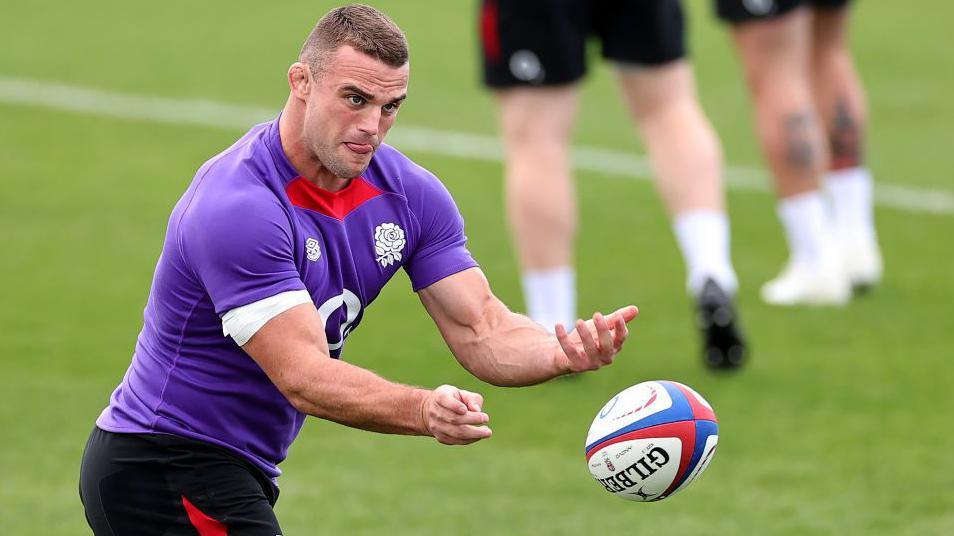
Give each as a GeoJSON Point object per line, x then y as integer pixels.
{"type": "Point", "coordinates": [680, 411]}
{"type": "Point", "coordinates": [704, 429]}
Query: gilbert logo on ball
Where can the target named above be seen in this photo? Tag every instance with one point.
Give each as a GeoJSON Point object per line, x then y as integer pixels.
{"type": "Point", "coordinates": [651, 440]}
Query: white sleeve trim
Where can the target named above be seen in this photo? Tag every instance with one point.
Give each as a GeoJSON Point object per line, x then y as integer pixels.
{"type": "Point", "coordinates": [243, 322]}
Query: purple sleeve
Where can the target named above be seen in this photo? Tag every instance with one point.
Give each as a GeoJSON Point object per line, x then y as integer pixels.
{"type": "Point", "coordinates": [239, 246]}
{"type": "Point", "coordinates": [441, 248]}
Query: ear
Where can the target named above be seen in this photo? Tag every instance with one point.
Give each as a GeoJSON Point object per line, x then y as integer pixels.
{"type": "Point", "coordinates": [299, 80]}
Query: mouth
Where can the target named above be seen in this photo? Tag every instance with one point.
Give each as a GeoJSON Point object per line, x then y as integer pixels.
{"type": "Point", "coordinates": [359, 148]}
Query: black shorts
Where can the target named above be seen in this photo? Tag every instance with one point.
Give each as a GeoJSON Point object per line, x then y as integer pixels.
{"type": "Point", "coordinates": [163, 485]}
{"type": "Point", "coordinates": [543, 42]}
{"type": "Point", "coordinates": [735, 11]}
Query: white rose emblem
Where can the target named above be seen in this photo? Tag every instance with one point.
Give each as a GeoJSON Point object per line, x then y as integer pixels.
{"type": "Point", "coordinates": [388, 243]}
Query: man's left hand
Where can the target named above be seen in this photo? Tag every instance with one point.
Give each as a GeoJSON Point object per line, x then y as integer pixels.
{"type": "Point", "coordinates": [595, 342]}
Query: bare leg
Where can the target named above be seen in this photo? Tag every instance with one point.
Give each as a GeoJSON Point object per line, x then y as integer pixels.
{"type": "Point", "coordinates": [776, 57]}
{"type": "Point", "coordinates": [541, 202]}
{"type": "Point", "coordinates": [687, 159]}
{"type": "Point", "coordinates": [838, 94]}
{"type": "Point", "coordinates": [840, 100]}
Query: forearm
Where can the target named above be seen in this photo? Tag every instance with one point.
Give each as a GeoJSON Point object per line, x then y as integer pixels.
{"type": "Point", "coordinates": [510, 350]}
{"type": "Point", "coordinates": [292, 351]}
{"type": "Point", "coordinates": [356, 397]}
{"type": "Point", "coordinates": [507, 349]}
{"type": "Point", "coordinates": [493, 343]}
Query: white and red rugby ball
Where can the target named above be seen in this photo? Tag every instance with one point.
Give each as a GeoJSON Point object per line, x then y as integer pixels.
{"type": "Point", "coordinates": [651, 440]}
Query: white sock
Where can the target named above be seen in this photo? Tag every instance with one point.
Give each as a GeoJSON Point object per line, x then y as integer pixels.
{"type": "Point", "coordinates": [807, 229]}
{"type": "Point", "coordinates": [551, 296]}
{"type": "Point", "coordinates": [852, 201]}
{"type": "Point", "coordinates": [703, 237]}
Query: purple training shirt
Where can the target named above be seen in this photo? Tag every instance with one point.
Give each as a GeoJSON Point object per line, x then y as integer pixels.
{"type": "Point", "coordinates": [249, 227]}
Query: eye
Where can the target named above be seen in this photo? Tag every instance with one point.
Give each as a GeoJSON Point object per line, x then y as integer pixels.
{"type": "Point", "coordinates": [355, 100]}
{"type": "Point", "coordinates": [391, 107]}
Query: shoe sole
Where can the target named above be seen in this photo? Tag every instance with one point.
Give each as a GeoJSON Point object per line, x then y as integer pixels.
{"type": "Point", "coordinates": [839, 301]}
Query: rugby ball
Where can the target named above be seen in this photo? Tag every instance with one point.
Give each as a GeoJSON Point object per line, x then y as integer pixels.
{"type": "Point", "coordinates": [651, 440]}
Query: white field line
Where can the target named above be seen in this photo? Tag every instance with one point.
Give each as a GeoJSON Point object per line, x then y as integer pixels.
{"type": "Point", "coordinates": [208, 113]}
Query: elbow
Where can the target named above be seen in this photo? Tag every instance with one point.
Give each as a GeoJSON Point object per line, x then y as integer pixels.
{"type": "Point", "coordinates": [296, 396]}
{"type": "Point", "coordinates": [305, 388]}
{"type": "Point", "coordinates": [300, 393]}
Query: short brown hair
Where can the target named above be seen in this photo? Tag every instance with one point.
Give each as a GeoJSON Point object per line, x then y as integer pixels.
{"type": "Point", "coordinates": [366, 29]}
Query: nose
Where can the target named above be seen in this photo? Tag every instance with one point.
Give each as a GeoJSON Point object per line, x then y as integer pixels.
{"type": "Point", "coordinates": [370, 120]}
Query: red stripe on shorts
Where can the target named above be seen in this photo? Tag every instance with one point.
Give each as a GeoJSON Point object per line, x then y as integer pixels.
{"type": "Point", "coordinates": [202, 522]}
{"type": "Point", "coordinates": [489, 21]}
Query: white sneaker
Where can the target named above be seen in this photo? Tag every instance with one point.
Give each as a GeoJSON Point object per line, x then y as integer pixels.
{"type": "Point", "coordinates": [802, 285]}
{"type": "Point", "coordinates": [861, 260]}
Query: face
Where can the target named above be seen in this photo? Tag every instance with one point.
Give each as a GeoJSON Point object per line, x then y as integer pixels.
{"type": "Point", "coordinates": [350, 106]}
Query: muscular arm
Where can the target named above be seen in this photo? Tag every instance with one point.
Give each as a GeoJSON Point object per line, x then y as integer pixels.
{"type": "Point", "coordinates": [292, 350]}
{"type": "Point", "coordinates": [507, 349]}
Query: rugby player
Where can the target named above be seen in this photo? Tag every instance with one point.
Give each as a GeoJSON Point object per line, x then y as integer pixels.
{"type": "Point", "coordinates": [534, 56]}
{"type": "Point", "coordinates": [271, 258]}
{"type": "Point", "coordinates": [811, 119]}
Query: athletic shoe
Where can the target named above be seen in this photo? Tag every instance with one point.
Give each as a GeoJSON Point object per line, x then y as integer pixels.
{"type": "Point", "coordinates": [801, 285]}
{"type": "Point", "coordinates": [723, 344]}
{"type": "Point", "coordinates": [861, 261]}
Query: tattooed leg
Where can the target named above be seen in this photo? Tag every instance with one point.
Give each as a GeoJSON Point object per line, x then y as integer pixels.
{"type": "Point", "coordinates": [800, 150]}
{"type": "Point", "coordinates": [844, 136]}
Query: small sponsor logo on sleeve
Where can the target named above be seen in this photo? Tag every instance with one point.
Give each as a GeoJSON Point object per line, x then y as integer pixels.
{"type": "Point", "coordinates": [312, 249]}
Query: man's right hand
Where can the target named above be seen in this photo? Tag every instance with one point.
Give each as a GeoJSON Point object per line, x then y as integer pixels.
{"type": "Point", "coordinates": [454, 416]}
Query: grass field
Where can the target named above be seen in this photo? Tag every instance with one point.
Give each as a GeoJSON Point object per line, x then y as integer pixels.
{"type": "Point", "coordinates": [841, 425]}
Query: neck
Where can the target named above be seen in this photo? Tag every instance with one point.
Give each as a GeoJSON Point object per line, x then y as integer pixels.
{"type": "Point", "coordinates": [304, 161]}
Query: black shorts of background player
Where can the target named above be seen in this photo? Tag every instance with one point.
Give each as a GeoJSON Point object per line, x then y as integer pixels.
{"type": "Point", "coordinates": [543, 42]}
{"type": "Point", "coordinates": [746, 10]}
{"type": "Point", "coordinates": [811, 116]}
{"type": "Point", "coordinates": [534, 54]}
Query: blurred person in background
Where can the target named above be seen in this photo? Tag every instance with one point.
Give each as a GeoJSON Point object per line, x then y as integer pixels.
{"type": "Point", "coordinates": [534, 56]}
{"type": "Point", "coordinates": [811, 118]}
{"type": "Point", "coordinates": [271, 258]}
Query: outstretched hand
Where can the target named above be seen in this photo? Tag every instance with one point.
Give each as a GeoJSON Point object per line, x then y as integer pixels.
{"type": "Point", "coordinates": [595, 342]}
{"type": "Point", "coordinates": [454, 416]}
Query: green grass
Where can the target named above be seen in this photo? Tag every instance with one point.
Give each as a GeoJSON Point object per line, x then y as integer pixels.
{"type": "Point", "coordinates": [841, 425]}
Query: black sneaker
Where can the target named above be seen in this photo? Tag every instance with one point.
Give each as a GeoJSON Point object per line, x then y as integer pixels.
{"type": "Point", "coordinates": [723, 346]}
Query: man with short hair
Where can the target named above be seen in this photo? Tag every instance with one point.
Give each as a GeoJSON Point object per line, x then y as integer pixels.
{"type": "Point", "coordinates": [534, 56]}
{"type": "Point", "coordinates": [811, 119]}
{"type": "Point", "coordinates": [270, 259]}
